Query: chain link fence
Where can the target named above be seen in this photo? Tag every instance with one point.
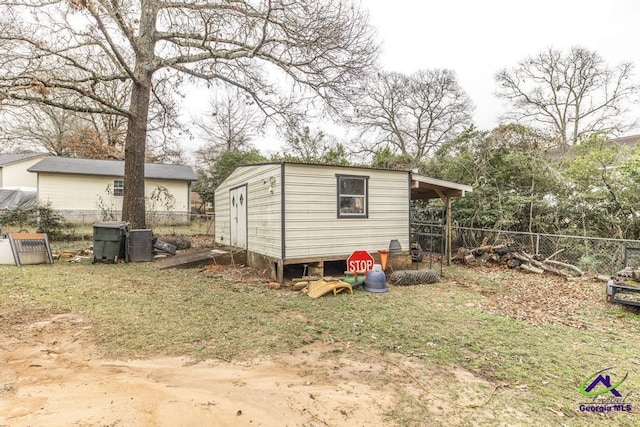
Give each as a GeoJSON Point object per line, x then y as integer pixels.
{"type": "Point", "coordinates": [592, 254]}
{"type": "Point", "coordinates": [78, 225]}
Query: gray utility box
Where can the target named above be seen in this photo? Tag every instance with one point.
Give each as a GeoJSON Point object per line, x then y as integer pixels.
{"type": "Point", "coordinates": [140, 246]}
{"type": "Point", "coordinates": [109, 240]}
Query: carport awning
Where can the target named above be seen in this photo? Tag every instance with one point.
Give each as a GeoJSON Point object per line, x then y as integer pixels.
{"type": "Point", "coordinates": [424, 187]}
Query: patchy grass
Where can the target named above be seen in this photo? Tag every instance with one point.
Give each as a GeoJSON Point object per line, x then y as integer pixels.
{"type": "Point", "coordinates": [480, 320]}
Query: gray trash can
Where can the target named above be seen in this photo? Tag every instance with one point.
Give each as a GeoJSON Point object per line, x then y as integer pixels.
{"type": "Point", "coordinates": [109, 240]}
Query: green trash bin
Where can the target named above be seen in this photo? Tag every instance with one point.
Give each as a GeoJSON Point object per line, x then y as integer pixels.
{"type": "Point", "coordinates": [109, 239]}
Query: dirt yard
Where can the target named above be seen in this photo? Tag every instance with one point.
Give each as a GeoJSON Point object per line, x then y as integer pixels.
{"type": "Point", "coordinates": [56, 379]}
{"type": "Point", "coordinates": [51, 376]}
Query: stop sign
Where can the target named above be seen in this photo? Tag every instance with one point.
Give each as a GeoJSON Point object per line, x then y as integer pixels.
{"type": "Point", "coordinates": [360, 261]}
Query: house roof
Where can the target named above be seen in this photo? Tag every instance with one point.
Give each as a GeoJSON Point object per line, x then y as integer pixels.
{"type": "Point", "coordinates": [629, 141]}
{"type": "Point", "coordinates": [7, 159]}
{"type": "Point", "coordinates": [76, 166]}
{"type": "Point", "coordinates": [565, 153]}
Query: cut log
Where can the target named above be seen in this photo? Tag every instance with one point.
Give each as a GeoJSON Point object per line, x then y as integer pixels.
{"type": "Point", "coordinates": [514, 263]}
{"type": "Point", "coordinates": [516, 258]}
{"type": "Point", "coordinates": [462, 252]}
{"type": "Point", "coordinates": [481, 250]}
{"type": "Point", "coordinates": [531, 269]}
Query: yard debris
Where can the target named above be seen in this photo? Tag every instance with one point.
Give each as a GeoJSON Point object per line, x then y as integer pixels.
{"type": "Point", "coordinates": [317, 288]}
{"type": "Point", "coordinates": [517, 259]}
{"type": "Point", "coordinates": [274, 285]}
{"type": "Point", "coordinates": [164, 247]}
{"type": "Point", "coordinates": [528, 298]}
{"type": "Point", "coordinates": [298, 286]}
{"type": "Point", "coordinates": [630, 296]}
{"type": "Point", "coordinates": [632, 273]}
{"type": "Point", "coordinates": [74, 255]}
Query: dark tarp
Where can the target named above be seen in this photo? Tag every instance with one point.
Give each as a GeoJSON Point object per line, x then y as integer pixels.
{"type": "Point", "coordinates": [24, 199]}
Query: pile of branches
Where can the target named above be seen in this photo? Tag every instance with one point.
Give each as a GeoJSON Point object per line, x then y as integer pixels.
{"type": "Point", "coordinates": [517, 259]}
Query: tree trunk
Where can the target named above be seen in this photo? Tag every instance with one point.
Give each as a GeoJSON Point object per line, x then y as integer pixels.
{"type": "Point", "coordinates": [133, 206]}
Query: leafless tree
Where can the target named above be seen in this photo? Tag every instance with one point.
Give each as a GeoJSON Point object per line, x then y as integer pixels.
{"type": "Point", "coordinates": [571, 95]}
{"type": "Point", "coordinates": [229, 123]}
{"type": "Point", "coordinates": [64, 53]}
{"type": "Point", "coordinates": [413, 114]}
{"type": "Point", "coordinates": [63, 132]}
{"type": "Point", "coordinates": [307, 143]}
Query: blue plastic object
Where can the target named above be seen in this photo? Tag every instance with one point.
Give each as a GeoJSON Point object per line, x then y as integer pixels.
{"type": "Point", "coordinates": [376, 281]}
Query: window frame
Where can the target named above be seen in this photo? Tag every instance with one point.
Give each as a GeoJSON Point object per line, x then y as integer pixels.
{"type": "Point", "coordinates": [118, 190]}
{"type": "Point", "coordinates": [365, 196]}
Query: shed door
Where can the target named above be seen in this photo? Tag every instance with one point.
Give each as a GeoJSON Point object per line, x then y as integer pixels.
{"type": "Point", "coordinates": [238, 203]}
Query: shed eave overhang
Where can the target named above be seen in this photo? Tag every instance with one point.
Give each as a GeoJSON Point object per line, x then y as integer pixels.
{"type": "Point", "coordinates": [425, 188]}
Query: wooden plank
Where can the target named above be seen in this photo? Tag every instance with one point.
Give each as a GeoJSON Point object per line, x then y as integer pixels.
{"type": "Point", "coordinates": [197, 259]}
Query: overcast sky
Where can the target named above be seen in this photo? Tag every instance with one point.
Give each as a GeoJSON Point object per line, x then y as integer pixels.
{"type": "Point", "coordinates": [477, 38]}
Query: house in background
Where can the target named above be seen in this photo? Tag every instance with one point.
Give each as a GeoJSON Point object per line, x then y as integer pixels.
{"type": "Point", "coordinates": [292, 214]}
{"type": "Point", "coordinates": [86, 190]}
{"type": "Point", "coordinates": [13, 170]}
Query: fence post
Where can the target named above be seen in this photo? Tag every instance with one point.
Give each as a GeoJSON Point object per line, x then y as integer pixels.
{"type": "Point", "coordinates": [537, 243]}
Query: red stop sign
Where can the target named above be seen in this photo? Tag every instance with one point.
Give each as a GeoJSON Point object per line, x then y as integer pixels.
{"type": "Point", "coordinates": [360, 261]}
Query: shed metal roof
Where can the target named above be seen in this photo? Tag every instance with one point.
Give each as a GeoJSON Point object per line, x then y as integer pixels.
{"type": "Point", "coordinates": [67, 165]}
{"type": "Point", "coordinates": [422, 187]}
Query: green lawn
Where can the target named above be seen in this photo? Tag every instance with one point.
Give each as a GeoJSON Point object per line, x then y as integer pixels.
{"type": "Point", "coordinates": [139, 311]}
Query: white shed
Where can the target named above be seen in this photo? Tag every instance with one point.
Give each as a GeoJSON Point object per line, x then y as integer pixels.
{"type": "Point", "coordinates": [297, 213]}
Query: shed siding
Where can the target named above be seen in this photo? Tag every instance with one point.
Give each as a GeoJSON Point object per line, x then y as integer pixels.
{"type": "Point", "coordinates": [312, 228]}
{"type": "Point", "coordinates": [16, 175]}
{"type": "Point", "coordinates": [264, 220]}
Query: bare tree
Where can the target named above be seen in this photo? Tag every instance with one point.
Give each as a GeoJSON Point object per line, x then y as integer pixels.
{"type": "Point", "coordinates": [229, 123]}
{"type": "Point", "coordinates": [571, 95]}
{"type": "Point", "coordinates": [65, 52]}
{"type": "Point", "coordinates": [414, 114]}
{"type": "Point", "coordinates": [306, 144]}
{"type": "Point", "coordinates": [64, 132]}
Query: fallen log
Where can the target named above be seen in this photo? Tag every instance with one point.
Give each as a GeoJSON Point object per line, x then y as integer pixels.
{"type": "Point", "coordinates": [565, 265]}
{"type": "Point", "coordinates": [516, 258]}
{"type": "Point", "coordinates": [523, 256]}
{"type": "Point", "coordinates": [531, 269]}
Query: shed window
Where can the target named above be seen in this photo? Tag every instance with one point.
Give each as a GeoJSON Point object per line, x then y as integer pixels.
{"type": "Point", "coordinates": [118, 187]}
{"type": "Point", "coordinates": [352, 196]}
